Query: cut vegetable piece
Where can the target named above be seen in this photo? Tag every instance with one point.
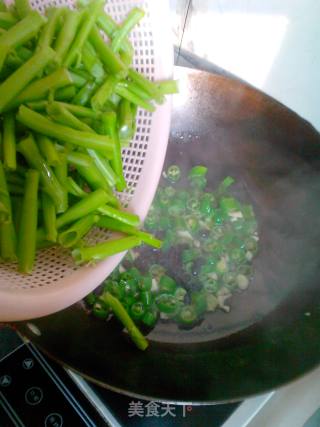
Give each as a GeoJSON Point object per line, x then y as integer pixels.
{"type": "Point", "coordinates": [93, 176]}
{"type": "Point", "coordinates": [109, 26]}
{"type": "Point", "coordinates": [122, 216]}
{"type": "Point", "coordinates": [110, 60]}
{"type": "Point", "coordinates": [80, 111]}
{"type": "Point", "coordinates": [120, 312]}
{"type": "Point", "coordinates": [168, 87]}
{"type": "Point", "coordinates": [134, 16]}
{"type": "Point", "coordinates": [125, 120]}
{"type": "Point", "coordinates": [88, 21]}
{"type": "Point", "coordinates": [37, 105]}
{"type": "Point", "coordinates": [28, 223]}
{"type": "Point", "coordinates": [79, 159]}
{"type": "Point", "coordinates": [40, 88]}
{"type": "Point", "coordinates": [49, 30]}
{"type": "Point", "coordinates": [104, 250]}
{"type": "Point", "coordinates": [9, 142]}
{"type": "Point", "coordinates": [77, 79]}
{"type": "Point", "coordinates": [8, 242]}
{"type": "Point", "coordinates": [110, 120]}
{"type": "Point", "coordinates": [67, 33]}
{"type": "Point", "coordinates": [28, 148]}
{"type": "Point", "coordinates": [103, 93]}
{"type": "Point", "coordinates": [65, 93]}
{"type": "Point", "coordinates": [91, 62]}
{"type": "Point", "coordinates": [124, 92]}
{"type": "Point", "coordinates": [104, 167]}
{"type": "Point", "coordinates": [23, 8]}
{"type": "Point", "coordinates": [197, 171]}
{"type": "Point", "coordinates": [49, 218]}
{"type": "Point", "coordinates": [23, 75]}
{"type": "Point", "coordinates": [138, 91]}
{"type": "Point", "coordinates": [85, 206]}
{"type": "Point", "coordinates": [22, 32]}
{"type": "Point", "coordinates": [17, 57]}
{"type": "Point", "coordinates": [3, 55]}
{"type": "Point", "coordinates": [226, 183]}
{"type": "Point", "coordinates": [62, 115]}
{"type": "Point", "coordinates": [98, 173]}
{"type": "Point", "coordinates": [79, 229]}
{"type": "Point", "coordinates": [5, 203]}
{"type": "Point", "coordinates": [84, 95]}
{"type": "Point", "coordinates": [114, 225]}
{"type": "Point", "coordinates": [7, 20]}
{"type": "Point", "coordinates": [74, 189]}
{"type": "Point", "coordinates": [48, 150]}
{"type": "Point", "coordinates": [61, 170]}
{"type": "Point", "coordinates": [41, 124]}
{"type": "Point", "coordinates": [150, 87]}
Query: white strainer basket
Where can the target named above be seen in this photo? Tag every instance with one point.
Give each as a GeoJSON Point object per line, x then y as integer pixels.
{"type": "Point", "coordinates": [57, 282]}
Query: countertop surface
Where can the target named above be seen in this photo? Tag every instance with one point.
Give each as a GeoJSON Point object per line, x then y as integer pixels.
{"type": "Point", "coordinates": [271, 44]}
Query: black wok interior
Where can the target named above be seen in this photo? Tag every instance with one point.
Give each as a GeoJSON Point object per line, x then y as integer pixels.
{"type": "Point", "coordinates": [272, 333]}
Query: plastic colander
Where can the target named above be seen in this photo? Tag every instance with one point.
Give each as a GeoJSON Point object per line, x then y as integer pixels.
{"type": "Point", "coordinates": [57, 282]}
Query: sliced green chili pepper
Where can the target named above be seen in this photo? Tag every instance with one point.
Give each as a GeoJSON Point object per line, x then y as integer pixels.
{"type": "Point", "coordinates": [187, 315]}
{"type": "Point", "coordinates": [173, 173]}
{"type": "Point", "coordinates": [137, 310]}
{"type": "Point", "coordinates": [167, 284]}
{"type": "Point", "coordinates": [167, 303]}
{"type": "Point", "coordinates": [150, 318]}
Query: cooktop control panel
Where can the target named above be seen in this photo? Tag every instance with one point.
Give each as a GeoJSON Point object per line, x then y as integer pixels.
{"type": "Point", "coordinates": [33, 394]}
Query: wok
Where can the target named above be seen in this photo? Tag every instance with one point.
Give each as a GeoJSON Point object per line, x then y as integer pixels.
{"type": "Point", "coordinates": [272, 334]}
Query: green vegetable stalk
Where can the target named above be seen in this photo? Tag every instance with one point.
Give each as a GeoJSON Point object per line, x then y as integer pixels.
{"type": "Point", "coordinates": [23, 31]}
{"type": "Point", "coordinates": [109, 26]}
{"type": "Point", "coordinates": [125, 120]}
{"type": "Point", "coordinates": [5, 203]}
{"type": "Point", "coordinates": [85, 206]}
{"type": "Point", "coordinates": [88, 21]}
{"type": "Point", "coordinates": [61, 172]}
{"type": "Point", "coordinates": [110, 60]}
{"type": "Point", "coordinates": [7, 20]}
{"type": "Point", "coordinates": [103, 93]}
{"type": "Point", "coordinates": [124, 217]}
{"type": "Point", "coordinates": [134, 16]}
{"type": "Point", "coordinates": [40, 88]}
{"type": "Point", "coordinates": [85, 93]}
{"type": "Point", "coordinates": [49, 218]}
{"type": "Point", "coordinates": [48, 33]}
{"type": "Point", "coordinates": [48, 150]}
{"type": "Point", "coordinates": [91, 62]}
{"type": "Point", "coordinates": [120, 312]}
{"type": "Point", "coordinates": [114, 225]}
{"type": "Point", "coordinates": [79, 111]}
{"type": "Point", "coordinates": [19, 79]}
{"type": "Point", "coordinates": [110, 120]}
{"type": "Point", "coordinates": [65, 93]}
{"type": "Point", "coordinates": [23, 8]}
{"type": "Point", "coordinates": [70, 237]}
{"type": "Point", "coordinates": [8, 242]}
{"type": "Point", "coordinates": [74, 188]}
{"type": "Point", "coordinates": [104, 250]}
{"type": "Point", "coordinates": [67, 34]}
{"type": "Point", "coordinates": [51, 185]}
{"type": "Point", "coordinates": [122, 90]}
{"type": "Point", "coordinates": [28, 223]}
{"type": "Point", "coordinates": [41, 124]}
{"type": "Point", "coordinates": [9, 142]}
